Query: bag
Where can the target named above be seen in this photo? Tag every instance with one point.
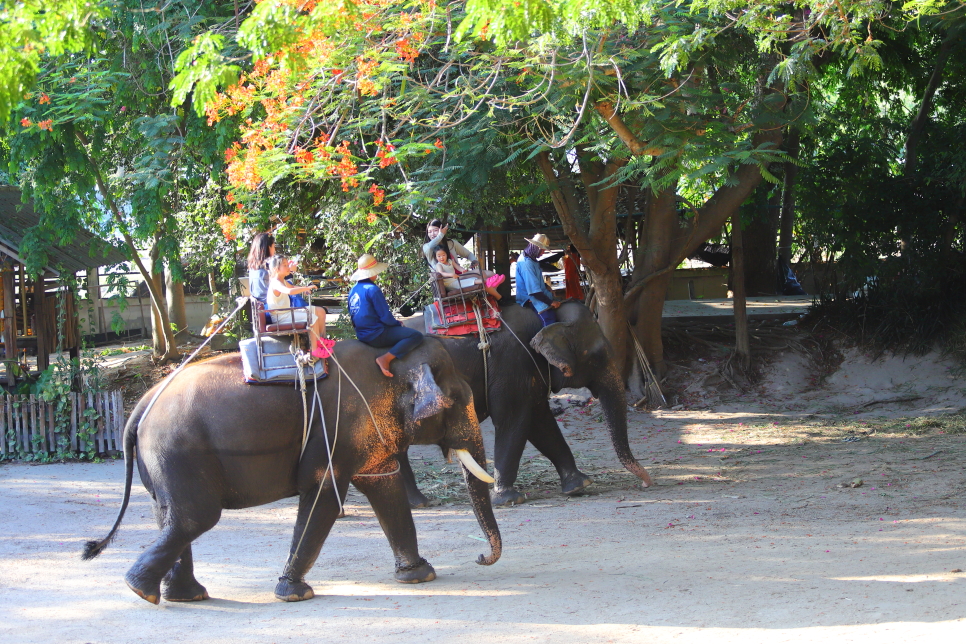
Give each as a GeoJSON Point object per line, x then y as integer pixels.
{"type": "Point", "coordinates": [297, 301]}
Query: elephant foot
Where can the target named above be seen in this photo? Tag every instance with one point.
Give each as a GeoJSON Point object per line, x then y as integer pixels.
{"type": "Point", "coordinates": [181, 586]}
{"type": "Point", "coordinates": [508, 496]}
{"type": "Point", "coordinates": [418, 500]}
{"type": "Point", "coordinates": [575, 484]}
{"type": "Point", "coordinates": [150, 592]}
{"type": "Point", "coordinates": [293, 591]}
{"type": "Point", "coordinates": [193, 592]}
{"type": "Point", "coordinates": [416, 574]}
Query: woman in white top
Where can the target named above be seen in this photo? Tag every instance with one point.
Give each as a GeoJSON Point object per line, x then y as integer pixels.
{"type": "Point", "coordinates": [277, 297]}
{"type": "Point", "coordinates": [436, 238]}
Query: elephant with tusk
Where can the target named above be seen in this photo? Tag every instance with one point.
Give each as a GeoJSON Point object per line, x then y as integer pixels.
{"type": "Point", "coordinates": [526, 361]}
{"type": "Point", "coordinates": [212, 442]}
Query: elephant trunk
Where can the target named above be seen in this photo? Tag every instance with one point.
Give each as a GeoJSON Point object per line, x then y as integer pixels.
{"type": "Point", "coordinates": [611, 394]}
{"type": "Point", "coordinates": [483, 509]}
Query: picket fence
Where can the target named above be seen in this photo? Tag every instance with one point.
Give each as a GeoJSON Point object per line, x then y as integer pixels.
{"type": "Point", "coordinates": [28, 424]}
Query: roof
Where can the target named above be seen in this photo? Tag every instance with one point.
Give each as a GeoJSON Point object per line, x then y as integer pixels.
{"type": "Point", "coordinates": [85, 252]}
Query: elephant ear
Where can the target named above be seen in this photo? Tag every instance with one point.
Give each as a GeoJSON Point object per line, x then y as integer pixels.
{"type": "Point", "coordinates": [428, 398]}
{"type": "Point", "coordinates": [553, 343]}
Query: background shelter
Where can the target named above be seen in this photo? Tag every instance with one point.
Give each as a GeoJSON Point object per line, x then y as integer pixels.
{"type": "Point", "coordinates": [31, 304]}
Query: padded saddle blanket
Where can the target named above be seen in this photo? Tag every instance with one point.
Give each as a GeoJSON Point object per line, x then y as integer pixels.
{"type": "Point", "coordinates": [278, 363]}
{"type": "Point", "coordinates": [458, 318]}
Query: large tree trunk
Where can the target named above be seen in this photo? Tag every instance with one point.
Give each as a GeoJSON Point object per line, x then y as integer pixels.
{"type": "Point", "coordinates": [595, 238]}
{"type": "Point", "coordinates": [760, 243]}
{"type": "Point", "coordinates": [174, 294]}
{"type": "Point", "coordinates": [787, 219]}
{"type": "Point", "coordinates": [653, 266]}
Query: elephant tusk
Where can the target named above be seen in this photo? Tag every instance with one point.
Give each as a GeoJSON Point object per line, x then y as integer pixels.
{"type": "Point", "coordinates": [470, 463]}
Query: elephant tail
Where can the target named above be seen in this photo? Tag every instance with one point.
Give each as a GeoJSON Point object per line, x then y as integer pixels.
{"type": "Point", "coordinates": [94, 548]}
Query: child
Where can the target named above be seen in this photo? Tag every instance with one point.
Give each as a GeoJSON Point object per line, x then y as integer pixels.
{"type": "Point", "coordinates": [451, 271]}
{"type": "Point", "coordinates": [279, 290]}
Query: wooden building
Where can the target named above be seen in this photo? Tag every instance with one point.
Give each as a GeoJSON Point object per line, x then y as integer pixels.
{"type": "Point", "coordinates": [33, 304]}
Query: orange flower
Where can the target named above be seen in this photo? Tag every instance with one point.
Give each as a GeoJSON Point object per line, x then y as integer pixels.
{"type": "Point", "coordinates": [47, 124]}
{"type": "Point", "coordinates": [378, 194]}
{"type": "Point", "coordinates": [44, 99]}
{"type": "Point", "coordinates": [439, 144]}
{"type": "Point", "coordinates": [26, 122]}
{"type": "Point", "coordinates": [371, 217]}
{"type": "Point", "coordinates": [406, 51]}
{"type": "Point", "coordinates": [303, 156]}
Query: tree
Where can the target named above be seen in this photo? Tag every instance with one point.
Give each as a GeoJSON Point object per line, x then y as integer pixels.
{"type": "Point", "coordinates": [668, 105]}
{"type": "Point", "coordinates": [33, 29]}
{"type": "Point", "coordinates": [98, 144]}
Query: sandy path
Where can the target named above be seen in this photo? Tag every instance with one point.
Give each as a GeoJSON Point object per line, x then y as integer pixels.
{"type": "Point", "coordinates": [752, 544]}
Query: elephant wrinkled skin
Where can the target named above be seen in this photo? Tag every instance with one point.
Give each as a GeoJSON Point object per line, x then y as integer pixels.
{"type": "Point", "coordinates": [572, 353]}
{"type": "Point", "coordinates": [212, 442]}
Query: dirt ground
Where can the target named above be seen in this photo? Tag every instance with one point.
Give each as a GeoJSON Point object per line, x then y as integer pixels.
{"type": "Point", "coordinates": [753, 533]}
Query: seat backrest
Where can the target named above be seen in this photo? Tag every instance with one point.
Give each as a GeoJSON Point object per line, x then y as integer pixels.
{"type": "Point", "coordinates": [258, 316]}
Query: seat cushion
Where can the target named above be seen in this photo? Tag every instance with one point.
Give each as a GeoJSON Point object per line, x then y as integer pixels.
{"type": "Point", "coordinates": [277, 328]}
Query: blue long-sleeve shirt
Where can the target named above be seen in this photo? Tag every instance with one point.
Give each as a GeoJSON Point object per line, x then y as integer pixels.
{"type": "Point", "coordinates": [530, 285]}
{"type": "Point", "coordinates": [368, 310]}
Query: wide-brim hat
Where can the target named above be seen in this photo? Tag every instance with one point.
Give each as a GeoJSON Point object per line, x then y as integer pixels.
{"type": "Point", "coordinates": [368, 267]}
{"type": "Point", "coordinates": [540, 240]}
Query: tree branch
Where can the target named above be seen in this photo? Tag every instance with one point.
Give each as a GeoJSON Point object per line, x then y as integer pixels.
{"type": "Point", "coordinates": [635, 145]}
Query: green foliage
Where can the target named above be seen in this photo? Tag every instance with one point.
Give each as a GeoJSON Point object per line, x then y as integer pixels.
{"type": "Point", "coordinates": [33, 29]}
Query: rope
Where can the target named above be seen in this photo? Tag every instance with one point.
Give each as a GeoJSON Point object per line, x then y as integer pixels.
{"type": "Point", "coordinates": [171, 376]}
{"type": "Point", "coordinates": [369, 409]}
{"type": "Point", "coordinates": [484, 346]}
{"type": "Point", "coordinates": [330, 450]}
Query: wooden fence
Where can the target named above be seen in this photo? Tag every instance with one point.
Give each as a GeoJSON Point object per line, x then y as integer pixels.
{"type": "Point", "coordinates": [29, 425]}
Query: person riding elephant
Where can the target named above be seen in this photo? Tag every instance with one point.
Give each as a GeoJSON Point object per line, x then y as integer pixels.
{"type": "Point", "coordinates": [373, 321]}
{"type": "Point", "coordinates": [209, 442]}
{"type": "Point", "coordinates": [436, 236]}
{"type": "Point", "coordinates": [532, 291]}
{"type": "Point", "coordinates": [511, 385]}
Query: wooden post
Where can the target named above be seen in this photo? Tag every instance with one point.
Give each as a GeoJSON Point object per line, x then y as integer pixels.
{"type": "Point", "coordinates": [41, 329]}
{"type": "Point", "coordinates": [742, 344]}
{"type": "Point", "coordinates": [501, 262]}
{"type": "Point", "coordinates": [9, 323]}
{"type": "Point", "coordinates": [23, 300]}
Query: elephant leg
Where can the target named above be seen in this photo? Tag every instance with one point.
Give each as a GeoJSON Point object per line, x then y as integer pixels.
{"type": "Point", "coordinates": [180, 585]}
{"type": "Point", "coordinates": [416, 498]}
{"type": "Point", "coordinates": [511, 438]}
{"type": "Point", "coordinates": [178, 529]}
{"type": "Point", "coordinates": [388, 498]}
{"type": "Point", "coordinates": [312, 526]}
{"type": "Point", "coordinates": [546, 436]}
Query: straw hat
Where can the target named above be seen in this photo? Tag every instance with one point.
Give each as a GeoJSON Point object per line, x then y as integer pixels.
{"type": "Point", "coordinates": [540, 240]}
{"type": "Point", "coordinates": [368, 267]}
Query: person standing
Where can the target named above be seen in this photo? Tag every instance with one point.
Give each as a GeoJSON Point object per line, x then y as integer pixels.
{"type": "Point", "coordinates": [571, 264]}
{"type": "Point", "coordinates": [373, 321]}
{"type": "Point", "coordinates": [531, 289]}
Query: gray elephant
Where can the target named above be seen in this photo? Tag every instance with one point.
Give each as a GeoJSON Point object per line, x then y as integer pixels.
{"type": "Point", "coordinates": [212, 442]}
{"type": "Point", "coordinates": [514, 386]}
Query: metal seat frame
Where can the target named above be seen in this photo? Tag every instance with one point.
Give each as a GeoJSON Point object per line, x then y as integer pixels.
{"type": "Point", "coordinates": [444, 296]}
{"type": "Point", "coordinates": [261, 328]}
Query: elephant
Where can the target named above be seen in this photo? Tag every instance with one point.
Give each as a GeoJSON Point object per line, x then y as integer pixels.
{"type": "Point", "coordinates": [512, 387]}
{"type": "Point", "coordinates": [212, 442]}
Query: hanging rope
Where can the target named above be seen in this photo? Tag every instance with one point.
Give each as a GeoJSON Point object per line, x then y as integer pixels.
{"type": "Point", "coordinates": [484, 346]}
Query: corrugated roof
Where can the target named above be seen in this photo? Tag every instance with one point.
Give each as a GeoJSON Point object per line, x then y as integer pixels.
{"type": "Point", "coordinates": [87, 251]}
